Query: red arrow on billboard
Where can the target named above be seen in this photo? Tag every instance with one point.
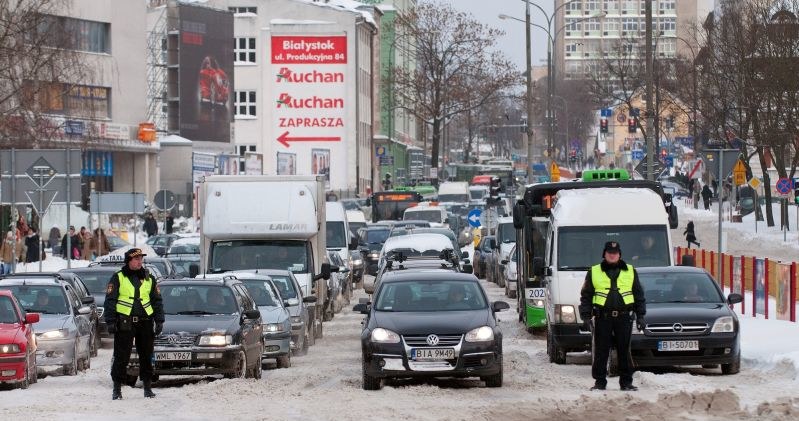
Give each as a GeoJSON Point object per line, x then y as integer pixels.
{"type": "Point", "coordinates": [284, 139]}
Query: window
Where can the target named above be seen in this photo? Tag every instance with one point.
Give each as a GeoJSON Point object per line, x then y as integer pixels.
{"type": "Point", "coordinates": [667, 47]}
{"type": "Point", "coordinates": [76, 34]}
{"type": "Point", "coordinates": [571, 48]}
{"type": "Point", "coordinates": [667, 25]}
{"type": "Point", "coordinates": [244, 50]}
{"type": "Point", "coordinates": [611, 26]}
{"type": "Point", "coordinates": [630, 6]}
{"type": "Point", "coordinates": [245, 104]}
{"type": "Point", "coordinates": [573, 25]}
{"type": "Point", "coordinates": [611, 6]}
{"type": "Point", "coordinates": [591, 6]}
{"type": "Point", "coordinates": [666, 6]}
{"type": "Point", "coordinates": [243, 9]}
{"type": "Point", "coordinates": [243, 149]}
{"type": "Point", "coordinates": [72, 100]}
{"type": "Point", "coordinates": [592, 25]}
{"type": "Point", "coordinates": [573, 8]}
{"type": "Point", "coordinates": [629, 24]}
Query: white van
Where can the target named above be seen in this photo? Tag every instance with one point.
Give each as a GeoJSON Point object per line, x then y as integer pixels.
{"type": "Point", "coordinates": [581, 222]}
{"type": "Point", "coordinates": [338, 236]}
{"type": "Point", "coordinates": [454, 191]}
{"type": "Point", "coordinates": [436, 215]}
{"type": "Point", "coordinates": [356, 220]}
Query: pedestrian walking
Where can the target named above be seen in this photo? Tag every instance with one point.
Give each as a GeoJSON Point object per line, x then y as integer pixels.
{"type": "Point", "coordinates": [86, 241]}
{"type": "Point", "coordinates": [706, 194]}
{"type": "Point", "coordinates": [696, 192]}
{"type": "Point", "coordinates": [53, 240]}
{"type": "Point", "coordinates": [150, 226]}
{"type": "Point", "coordinates": [32, 253]}
{"type": "Point", "coordinates": [170, 222]}
{"type": "Point", "coordinates": [7, 252]}
{"type": "Point", "coordinates": [75, 244]}
{"type": "Point", "coordinates": [133, 311]}
{"type": "Point", "coordinates": [610, 297]}
{"type": "Point", "coordinates": [690, 235]}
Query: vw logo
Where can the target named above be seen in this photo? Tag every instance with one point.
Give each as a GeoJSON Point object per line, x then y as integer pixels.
{"type": "Point", "coordinates": [173, 339]}
{"type": "Point", "coordinates": [432, 340]}
{"type": "Point", "coordinates": [677, 327]}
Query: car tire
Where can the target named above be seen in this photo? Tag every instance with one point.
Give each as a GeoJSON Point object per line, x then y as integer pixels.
{"type": "Point", "coordinates": [284, 361]}
{"type": "Point", "coordinates": [303, 350]}
{"type": "Point", "coordinates": [96, 343]}
{"type": "Point", "coordinates": [72, 368]}
{"type": "Point", "coordinates": [494, 380]}
{"type": "Point", "coordinates": [732, 368]}
{"type": "Point", "coordinates": [369, 382]}
{"type": "Point", "coordinates": [257, 371]}
{"type": "Point", "coordinates": [318, 332]}
{"type": "Point", "coordinates": [310, 336]}
{"type": "Point", "coordinates": [241, 367]}
{"type": "Point", "coordinates": [26, 381]}
{"type": "Point", "coordinates": [34, 372]}
{"type": "Point", "coordinates": [556, 354]}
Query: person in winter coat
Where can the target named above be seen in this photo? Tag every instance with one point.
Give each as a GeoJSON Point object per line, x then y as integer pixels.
{"type": "Point", "coordinates": [32, 243]}
{"type": "Point", "coordinates": [696, 191]}
{"type": "Point", "coordinates": [7, 252]}
{"type": "Point", "coordinates": [55, 235]}
{"type": "Point", "coordinates": [706, 194]}
{"type": "Point", "coordinates": [99, 243]}
{"type": "Point", "coordinates": [150, 226]}
{"type": "Point", "coordinates": [86, 250]}
{"type": "Point", "coordinates": [170, 222]}
{"type": "Point", "coordinates": [689, 234]}
{"type": "Point", "coordinates": [75, 244]}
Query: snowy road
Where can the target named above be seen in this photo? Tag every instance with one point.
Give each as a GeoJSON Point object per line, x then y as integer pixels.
{"type": "Point", "coordinates": [326, 385]}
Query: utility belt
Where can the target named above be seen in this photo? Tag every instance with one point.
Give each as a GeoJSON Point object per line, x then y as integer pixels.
{"type": "Point", "coordinates": [125, 323]}
{"type": "Point", "coordinates": [612, 314]}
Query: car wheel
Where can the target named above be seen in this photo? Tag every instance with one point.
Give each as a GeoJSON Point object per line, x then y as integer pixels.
{"type": "Point", "coordinates": [240, 371]}
{"type": "Point", "coordinates": [284, 361]}
{"type": "Point", "coordinates": [34, 375]}
{"type": "Point", "coordinates": [71, 369]}
{"type": "Point", "coordinates": [303, 350]}
{"type": "Point", "coordinates": [87, 363]}
{"type": "Point", "coordinates": [257, 371]}
{"type": "Point", "coordinates": [556, 354]}
{"type": "Point", "coordinates": [495, 380]}
{"type": "Point", "coordinates": [732, 368]}
{"type": "Point", "coordinates": [310, 336]}
{"type": "Point", "coordinates": [500, 280]}
{"type": "Point", "coordinates": [369, 382]}
{"type": "Point", "coordinates": [26, 381]}
{"type": "Point", "coordinates": [318, 331]}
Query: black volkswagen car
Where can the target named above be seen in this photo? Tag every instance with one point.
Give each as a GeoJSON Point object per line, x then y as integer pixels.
{"type": "Point", "coordinates": [211, 327]}
{"type": "Point", "coordinates": [370, 241]}
{"type": "Point", "coordinates": [431, 323]}
{"type": "Point", "coordinates": [688, 321]}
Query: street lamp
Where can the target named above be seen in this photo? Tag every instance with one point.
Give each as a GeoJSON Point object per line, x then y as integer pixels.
{"type": "Point", "coordinates": [550, 66]}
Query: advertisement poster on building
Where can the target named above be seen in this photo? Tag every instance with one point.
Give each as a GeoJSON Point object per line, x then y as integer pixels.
{"type": "Point", "coordinates": [309, 103]}
{"type": "Point", "coordinates": [783, 285]}
{"type": "Point", "coordinates": [286, 163]}
{"type": "Point", "coordinates": [760, 286]}
{"type": "Point", "coordinates": [205, 73]}
{"type": "Point", "coordinates": [736, 276]}
{"type": "Point", "coordinates": [253, 163]}
{"type": "Point", "coordinates": [320, 164]}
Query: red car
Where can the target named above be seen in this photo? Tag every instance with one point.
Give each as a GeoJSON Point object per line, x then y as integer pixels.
{"type": "Point", "coordinates": [17, 343]}
{"type": "Point", "coordinates": [214, 84]}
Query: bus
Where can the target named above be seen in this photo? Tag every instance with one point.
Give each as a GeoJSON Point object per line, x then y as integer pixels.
{"type": "Point", "coordinates": [390, 205]}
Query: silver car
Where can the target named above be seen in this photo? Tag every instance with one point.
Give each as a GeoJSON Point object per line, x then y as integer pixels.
{"type": "Point", "coordinates": [289, 289]}
{"type": "Point", "coordinates": [64, 331]}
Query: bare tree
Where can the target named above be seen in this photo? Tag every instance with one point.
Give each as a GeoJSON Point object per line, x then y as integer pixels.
{"type": "Point", "coordinates": [457, 70]}
{"type": "Point", "coordinates": [40, 70]}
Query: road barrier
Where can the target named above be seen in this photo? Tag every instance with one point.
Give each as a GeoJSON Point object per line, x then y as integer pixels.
{"type": "Point", "coordinates": [758, 280]}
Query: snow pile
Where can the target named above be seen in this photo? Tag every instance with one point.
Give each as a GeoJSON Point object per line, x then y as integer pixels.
{"type": "Point", "coordinates": [761, 348]}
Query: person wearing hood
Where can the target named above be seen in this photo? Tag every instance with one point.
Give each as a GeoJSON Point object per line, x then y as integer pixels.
{"type": "Point", "coordinates": [611, 296]}
{"type": "Point", "coordinates": [133, 310]}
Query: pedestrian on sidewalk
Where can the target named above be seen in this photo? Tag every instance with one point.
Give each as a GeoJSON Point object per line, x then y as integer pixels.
{"type": "Point", "coordinates": [696, 192]}
{"type": "Point", "coordinates": [690, 235]}
{"type": "Point", "coordinates": [706, 193]}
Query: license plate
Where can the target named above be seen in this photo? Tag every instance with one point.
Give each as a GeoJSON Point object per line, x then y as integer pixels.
{"type": "Point", "coordinates": [173, 356]}
{"type": "Point", "coordinates": [535, 293]}
{"type": "Point", "coordinates": [678, 346]}
{"type": "Point", "coordinates": [432, 354]}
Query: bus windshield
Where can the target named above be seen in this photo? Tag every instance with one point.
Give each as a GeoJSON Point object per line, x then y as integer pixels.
{"type": "Point", "coordinates": [579, 248]}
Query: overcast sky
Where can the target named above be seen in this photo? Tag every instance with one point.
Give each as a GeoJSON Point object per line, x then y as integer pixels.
{"type": "Point", "coordinates": [513, 43]}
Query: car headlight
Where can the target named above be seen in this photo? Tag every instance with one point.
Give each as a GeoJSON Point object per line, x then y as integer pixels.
{"type": "Point", "coordinates": [216, 340]}
{"type": "Point", "coordinates": [9, 349]}
{"type": "Point", "coordinates": [54, 334]}
{"type": "Point", "coordinates": [565, 313]}
{"type": "Point", "coordinates": [357, 262]}
{"type": "Point", "coordinates": [374, 255]}
{"type": "Point", "coordinates": [723, 324]}
{"type": "Point", "coordinates": [481, 334]}
{"type": "Point", "coordinates": [296, 319]}
{"type": "Point", "coordinates": [273, 327]}
{"type": "Point", "coordinates": [384, 336]}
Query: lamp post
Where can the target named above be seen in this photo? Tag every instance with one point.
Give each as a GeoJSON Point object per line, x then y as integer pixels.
{"type": "Point", "coordinates": [550, 66]}
{"type": "Point", "coordinates": [695, 102]}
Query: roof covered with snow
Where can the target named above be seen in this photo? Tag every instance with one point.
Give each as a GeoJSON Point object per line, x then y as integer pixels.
{"type": "Point", "coordinates": [345, 5]}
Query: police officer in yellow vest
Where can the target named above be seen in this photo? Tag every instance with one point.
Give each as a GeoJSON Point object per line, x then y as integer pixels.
{"type": "Point", "coordinates": [133, 310]}
{"type": "Point", "coordinates": [611, 296]}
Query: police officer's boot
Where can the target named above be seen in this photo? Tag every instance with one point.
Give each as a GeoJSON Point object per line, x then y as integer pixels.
{"type": "Point", "coordinates": [117, 393]}
{"type": "Point", "coordinates": [148, 393]}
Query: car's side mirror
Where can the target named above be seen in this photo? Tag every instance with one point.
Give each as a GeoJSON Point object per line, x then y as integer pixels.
{"type": "Point", "coordinates": [735, 298]}
{"type": "Point", "coordinates": [87, 300]}
{"type": "Point", "coordinates": [324, 273]}
{"type": "Point", "coordinates": [362, 308]}
{"type": "Point", "coordinates": [465, 255]}
{"type": "Point", "coordinates": [252, 314]}
{"type": "Point", "coordinates": [194, 270]}
{"type": "Point", "coordinates": [309, 299]}
{"type": "Point", "coordinates": [31, 318]}
{"type": "Point", "coordinates": [85, 310]}
{"type": "Point", "coordinates": [499, 306]}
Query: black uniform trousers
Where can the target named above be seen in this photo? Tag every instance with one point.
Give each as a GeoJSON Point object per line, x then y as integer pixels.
{"type": "Point", "coordinates": [142, 332]}
{"type": "Point", "coordinates": [610, 332]}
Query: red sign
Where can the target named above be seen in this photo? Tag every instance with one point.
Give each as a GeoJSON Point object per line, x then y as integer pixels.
{"type": "Point", "coordinates": [309, 49]}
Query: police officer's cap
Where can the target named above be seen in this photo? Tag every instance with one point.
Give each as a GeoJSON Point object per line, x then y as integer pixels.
{"type": "Point", "coordinates": [134, 252]}
{"type": "Point", "coordinates": [611, 246]}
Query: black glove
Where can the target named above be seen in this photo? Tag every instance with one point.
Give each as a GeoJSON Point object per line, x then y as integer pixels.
{"type": "Point", "coordinates": [112, 326]}
{"type": "Point", "coordinates": [159, 327]}
{"type": "Point", "coordinates": [639, 323]}
{"type": "Point", "coordinates": [586, 327]}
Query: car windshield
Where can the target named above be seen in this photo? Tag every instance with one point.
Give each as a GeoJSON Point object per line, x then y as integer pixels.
{"type": "Point", "coordinates": [430, 296]}
{"type": "Point", "coordinates": [160, 264]}
{"type": "Point", "coordinates": [95, 280]}
{"type": "Point", "coordinates": [477, 194]}
{"type": "Point", "coordinates": [184, 249]}
{"type": "Point", "coordinates": [458, 198]}
{"type": "Point", "coordinates": [506, 233]}
{"type": "Point", "coordinates": [285, 286]}
{"type": "Point", "coordinates": [355, 226]}
{"type": "Point", "coordinates": [376, 236]}
{"type": "Point", "coordinates": [336, 234]}
{"type": "Point", "coordinates": [183, 263]}
{"type": "Point", "coordinates": [198, 299]}
{"type": "Point", "coordinates": [676, 287]}
{"type": "Point", "coordinates": [423, 215]}
{"type": "Point", "coordinates": [8, 313]}
{"type": "Point", "coordinates": [261, 292]}
{"type": "Point", "coordinates": [259, 254]}
{"type": "Point", "coordinates": [40, 298]}
{"type": "Point", "coordinates": [579, 248]}
{"type": "Point", "coordinates": [350, 205]}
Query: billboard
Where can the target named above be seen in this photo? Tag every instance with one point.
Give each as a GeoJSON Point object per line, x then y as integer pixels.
{"type": "Point", "coordinates": [308, 102]}
{"type": "Point", "coordinates": [205, 73]}
{"type": "Point", "coordinates": [286, 163]}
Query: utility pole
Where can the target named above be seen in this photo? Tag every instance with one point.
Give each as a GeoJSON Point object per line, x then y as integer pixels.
{"type": "Point", "coordinates": [650, 98]}
{"type": "Point", "coordinates": [530, 158]}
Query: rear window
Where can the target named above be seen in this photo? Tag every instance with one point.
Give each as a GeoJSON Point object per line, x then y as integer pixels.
{"type": "Point", "coordinates": [424, 215]}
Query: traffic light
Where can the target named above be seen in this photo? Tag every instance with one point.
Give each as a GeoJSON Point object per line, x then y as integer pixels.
{"type": "Point", "coordinates": [603, 125]}
{"type": "Point", "coordinates": [631, 125]}
{"type": "Point", "coordinates": [495, 187]}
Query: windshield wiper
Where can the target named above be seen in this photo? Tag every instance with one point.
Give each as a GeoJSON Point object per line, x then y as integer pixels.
{"type": "Point", "coordinates": [33, 310]}
{"type": "Point", "coordinates": [194, 312]}
{"type": "Point", "coordinates": [574, 268]}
